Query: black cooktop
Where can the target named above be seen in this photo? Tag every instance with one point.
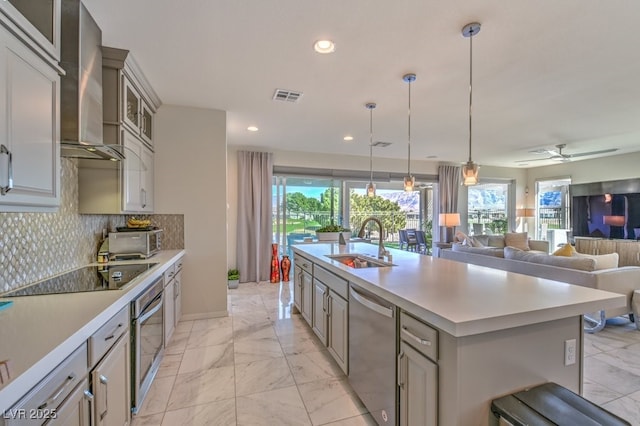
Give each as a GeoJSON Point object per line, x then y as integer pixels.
{"type": "Point", "coordinates": [89, 278]}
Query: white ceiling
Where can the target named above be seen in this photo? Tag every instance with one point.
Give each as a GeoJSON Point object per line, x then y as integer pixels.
{"type": "Point", "coordinates": [544, 72]}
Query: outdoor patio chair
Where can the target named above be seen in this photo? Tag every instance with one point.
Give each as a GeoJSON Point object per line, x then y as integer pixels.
{"type": "Point", "coordinates": [422, 245]}
{"type": "Point", "coordinates": [412, 243]}
{"type": "Point", "coordinates": [403, 240]}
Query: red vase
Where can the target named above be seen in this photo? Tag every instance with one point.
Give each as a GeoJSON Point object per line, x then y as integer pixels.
{"type": "Point", "coordinates": [275, 264]}
{"type": "Point", "coordinates": [285, 264]}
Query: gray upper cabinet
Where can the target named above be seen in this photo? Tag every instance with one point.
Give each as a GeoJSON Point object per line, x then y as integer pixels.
{"type": "Point", "coordinates": [129, 106]}
{"type": "Point", "coordinates": [39, 20]}
{"type": "Point", "coordinates": [29, 115]}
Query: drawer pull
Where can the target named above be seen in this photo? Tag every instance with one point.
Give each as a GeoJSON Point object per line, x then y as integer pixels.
{"type": "Point", "coordinates": [113, 333]}
{"type": "Point", "coordinates": [416, 338]}
{"type": "Point", "coordinates": [60, 391]}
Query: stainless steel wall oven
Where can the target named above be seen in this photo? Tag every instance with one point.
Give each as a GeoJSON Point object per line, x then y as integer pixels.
{"type": "Point", "coordinates": [146, 340]}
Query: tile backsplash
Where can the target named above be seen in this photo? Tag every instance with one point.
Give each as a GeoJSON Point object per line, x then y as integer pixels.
{"type": "Point", "coordinates": [34, 246]}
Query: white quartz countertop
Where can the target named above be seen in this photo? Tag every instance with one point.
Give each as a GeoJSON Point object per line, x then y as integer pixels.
{"type": "Point", "coordinates": [39, 332]}
{"type": "Point", "coordinates": [459, 298]}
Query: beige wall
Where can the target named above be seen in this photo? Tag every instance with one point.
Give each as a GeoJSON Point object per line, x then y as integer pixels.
{"type": "Point", "coordinates": [191, 179]}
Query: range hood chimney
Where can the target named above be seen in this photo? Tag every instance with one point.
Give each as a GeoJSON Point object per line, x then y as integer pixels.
{"type": "Point", "coordinates": [81, 87]}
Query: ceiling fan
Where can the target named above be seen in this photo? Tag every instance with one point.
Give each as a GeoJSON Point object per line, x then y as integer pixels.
{"type": "Point", "coordinates": [558, 155]}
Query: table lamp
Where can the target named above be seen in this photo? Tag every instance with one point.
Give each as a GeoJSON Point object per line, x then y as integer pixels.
{"type": "Point", "coordinates": [449, 221]}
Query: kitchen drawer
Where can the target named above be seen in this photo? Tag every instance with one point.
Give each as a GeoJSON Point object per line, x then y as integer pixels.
{"type": "Point", "coordinates": [42, 402]}
{"type": "Point", "coordinates": [178, 264]}
{"type": "Point", "coordinates": [304, 263]}
{"type": "Point", "coordinates": [331, 280]}
{"type": "Point", "coordinates": [169, 273]}
{"type": "Point", "coordinates": [107, 335]}
{"type": "Point", "coordinates": [419, 335]}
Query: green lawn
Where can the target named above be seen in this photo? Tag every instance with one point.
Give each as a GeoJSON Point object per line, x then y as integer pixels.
{"type": "Point", "coordinates": [299, 225]}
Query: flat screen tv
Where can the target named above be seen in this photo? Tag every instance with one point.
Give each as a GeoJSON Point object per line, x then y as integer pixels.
{"type": "Point", "coordinates": [606, 209]}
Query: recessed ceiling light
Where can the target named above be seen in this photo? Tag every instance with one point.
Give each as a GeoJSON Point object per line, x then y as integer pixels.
{"type": "Point", "coordinates": [252, 128]}
{"type": "Point", "coordinates": [348, 138]}
{"type": "Point", "coordinates": [324, 46]}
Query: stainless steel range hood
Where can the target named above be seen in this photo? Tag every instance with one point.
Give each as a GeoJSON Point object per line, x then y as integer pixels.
{"type": "Point", "coordinates": [81, 87]}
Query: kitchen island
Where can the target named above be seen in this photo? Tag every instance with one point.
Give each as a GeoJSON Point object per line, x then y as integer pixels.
{"type": "Point", "coordinates": [496, 332]}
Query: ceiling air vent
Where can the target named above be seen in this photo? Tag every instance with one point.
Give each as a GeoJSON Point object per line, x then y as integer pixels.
{"type": "Point", "coordinates": [380, 144]}
{"type": "Point", "coordinates": [286, 95]}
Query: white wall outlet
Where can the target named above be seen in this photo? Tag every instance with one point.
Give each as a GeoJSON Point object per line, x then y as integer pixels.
{"type": "Point", "coordinates": [570, 352]}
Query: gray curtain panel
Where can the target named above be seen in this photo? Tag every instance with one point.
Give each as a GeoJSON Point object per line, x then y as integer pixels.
{"type": "Point", "coordinates": [449, 179]}
{"type": "Point", "coordinates": [255, 227]}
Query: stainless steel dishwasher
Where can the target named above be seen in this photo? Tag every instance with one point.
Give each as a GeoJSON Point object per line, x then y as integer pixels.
{"type": "Point", "coordinates": [372, 353]}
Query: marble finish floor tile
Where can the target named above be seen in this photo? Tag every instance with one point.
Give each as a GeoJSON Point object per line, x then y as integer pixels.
{"type": "Point", "coordinates": [222, 413]}
{"type": "Point", "coordinates": [249, 350]}
{"type": "Point", "coordinates": [177, 344]}
{"type": "Point", "coordinates": [281, 407]}
{"type": "Point", "coordinates": [201, 387]}
{"type": "Point", "coordinates": [262, 376]}
{"type": "Point", "coordinates": [184, 327]}
{"type": "Point", "coordinates": [610, 376]}
{"type": "Point", "coordinates": [329, 400]}
{"type": "Point", "coordinates": [209, 337]}
{"type": "Point", "coordinates": [169, 365]}
{"type": "Point", "coordinates": [625, 407]}
{"type": "Point", "coordinates": [211, 323]}
{"type": "Point", "coordinates": [150, 420]}
{"type": "Point", "coordinates": [158, 396]}
{"type": "Point", "coordinates": [311, 366]}
{"type": "Point", "coordinates": [597, 393]}
{"type": "Point", "coordinates": [363, 420]}
{"type": "Point", "coordinates": [298, 343]}
{"type": "Point", "coordinates": [206, 357]}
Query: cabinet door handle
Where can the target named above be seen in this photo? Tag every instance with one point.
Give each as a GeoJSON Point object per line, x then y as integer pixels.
{"type": "Point", "coordinates": [400, 378]}
{"type": "Point", "coordinates": [416, 338]}
{"type": "Point", "coordinates": [6, 185]}
{"type": "Point", "coordinates": [89, 397]}
{"type": "Point", "coordinates": [60, 391]}
{"type": "Point", "coordinates": [105, 382]}
{"type": "Point", "coordinates": [328, 306]}
{"type": "Point", "coordinates": [324, 301]}
{"type": "Point", "coordinates": [143, 197]}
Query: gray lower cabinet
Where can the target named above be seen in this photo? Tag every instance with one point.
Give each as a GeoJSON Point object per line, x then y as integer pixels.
{"type": "Point", "coordinates": [111, 379]}
{"type": "Point", "coordinates": [76, 410]}
{"type": "Point", "coordinates": [330, 314]}
{"type": "Point", "coordinates": [417, 372]}
{"type": "Point", "coordinates": [338, 336]}
{"type": "Point", "coordinates": [418, 381]}
{"type": "Point", "coordinates": [319, 323]}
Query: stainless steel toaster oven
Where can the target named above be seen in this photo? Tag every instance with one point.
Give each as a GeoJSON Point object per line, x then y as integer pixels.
{"type": "Point", "coordinates": [134, 244]}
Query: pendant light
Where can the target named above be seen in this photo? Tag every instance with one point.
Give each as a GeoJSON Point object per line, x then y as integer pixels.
{"type": "Point", "coordinates": [470, 170]}
{"type": "Point", "coordinates": [409, 180]}
{"type": "Point", "coordinates": [371, 187]}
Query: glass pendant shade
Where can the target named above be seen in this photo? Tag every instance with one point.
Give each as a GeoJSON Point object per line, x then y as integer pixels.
{"type": "Point", "coordinates": [371, 189]}
{"type": "Point", "coordinates": [470, 174]}
{"type": "Point", "coordinates": [409, 183]}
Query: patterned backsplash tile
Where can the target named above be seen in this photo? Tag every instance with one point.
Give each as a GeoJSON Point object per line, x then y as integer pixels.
{"type": "Point", "coordinates": [34, 246]}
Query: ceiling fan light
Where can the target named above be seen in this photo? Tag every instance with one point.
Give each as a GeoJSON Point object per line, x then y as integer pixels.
{"type": "Point", "coordinates": [409, 183]}
{"type": "Point", "coordinates": [470, 174]}
{"type": "Point", "coordinates": [371, 189]}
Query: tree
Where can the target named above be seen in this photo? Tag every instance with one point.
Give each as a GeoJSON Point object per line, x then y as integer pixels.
{"type": "Point", "coordinates": [387, 211]}
{"type": "Point", "coordinates": [297, 202]}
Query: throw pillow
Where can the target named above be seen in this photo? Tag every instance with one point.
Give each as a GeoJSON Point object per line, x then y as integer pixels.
{"type": "Point", "coordinates": [496, 241]}
{"type": "Point", "coordinates": [460, 237]}
{"type": "Point", "coordinates": [519, 240]}
{"type": "Point", "coordinates": [472, 242]}
{"type": "Point", "coordinates": [567, 250]}
{"type": "Point", "coordinates": [603, 261]}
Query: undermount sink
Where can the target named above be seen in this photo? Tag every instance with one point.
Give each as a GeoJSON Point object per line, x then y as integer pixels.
{"type": "Point", "coordinates": [355, 260]}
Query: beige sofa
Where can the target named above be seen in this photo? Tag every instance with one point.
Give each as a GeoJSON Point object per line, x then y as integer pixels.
{"type": "Point", "coordinates": [573, 270]}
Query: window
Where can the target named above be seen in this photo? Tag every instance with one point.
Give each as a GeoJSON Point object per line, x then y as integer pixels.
{"type": "Point", "coordinates": [303, 204]}
{"type": "Point", "coordinates": [487, 208]}
{"type": "Point", "coordinates": [552, 205]}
